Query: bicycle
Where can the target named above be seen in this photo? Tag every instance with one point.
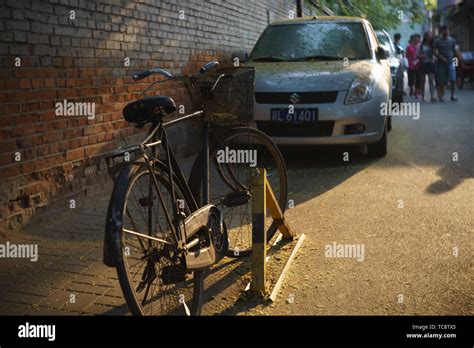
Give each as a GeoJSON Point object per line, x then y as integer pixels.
{"type": "Point", "coordinates": [230, 182]}
{"type": "Point", "coordinates": [161, 233]}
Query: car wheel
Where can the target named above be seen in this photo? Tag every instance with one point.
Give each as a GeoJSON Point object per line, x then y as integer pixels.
{"type": "Point", "coordinates": [378, 149]}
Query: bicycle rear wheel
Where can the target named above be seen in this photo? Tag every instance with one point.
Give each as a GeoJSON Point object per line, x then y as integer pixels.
{"type": "Point", "coordinates": [230, 181]}
{"type": "Point", "coordinates": [151, 274]}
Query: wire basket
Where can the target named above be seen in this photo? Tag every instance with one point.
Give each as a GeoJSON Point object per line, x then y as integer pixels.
{"type": "Point", "coordinates": [226, 96]}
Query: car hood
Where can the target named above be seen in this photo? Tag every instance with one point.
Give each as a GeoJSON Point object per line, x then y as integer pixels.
{"type": "Point", "coordinates": [308, 76]}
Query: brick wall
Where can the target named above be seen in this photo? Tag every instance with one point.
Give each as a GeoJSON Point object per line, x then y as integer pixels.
{"type": "Point", "coordinates": [47, 56]}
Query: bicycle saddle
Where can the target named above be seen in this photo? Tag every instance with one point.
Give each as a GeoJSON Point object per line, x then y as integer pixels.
{"type": "Point", "coordinates": [148, 109]}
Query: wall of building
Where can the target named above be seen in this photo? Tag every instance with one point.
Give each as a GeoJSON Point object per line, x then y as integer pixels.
{"type": "Point", "coordinates": [49, 54]}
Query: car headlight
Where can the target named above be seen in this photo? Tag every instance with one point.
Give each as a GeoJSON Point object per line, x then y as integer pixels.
{"type": "Point", "coordinates": [360, 90]}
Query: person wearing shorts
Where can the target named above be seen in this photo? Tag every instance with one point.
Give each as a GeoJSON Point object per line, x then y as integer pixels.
{"type": "Point", "coordinates": [445, 52]}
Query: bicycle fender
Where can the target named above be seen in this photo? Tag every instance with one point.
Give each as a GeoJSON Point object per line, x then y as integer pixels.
{"type": "Point", "coordinates": [114, 214]}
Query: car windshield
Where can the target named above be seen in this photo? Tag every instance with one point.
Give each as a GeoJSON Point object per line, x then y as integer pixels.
{"type": "Point", "coordinates": [385, 43]}
{"type": "Point", "coordinates": [312, 41]}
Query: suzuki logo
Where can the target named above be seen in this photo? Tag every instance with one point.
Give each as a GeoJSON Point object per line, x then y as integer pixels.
{"type": "Point", "coordinates": [295, 98]}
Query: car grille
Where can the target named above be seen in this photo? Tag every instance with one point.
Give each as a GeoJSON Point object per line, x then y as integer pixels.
{"type": "Point", "coordinates": [318, 129]}
{"type": "Point", "coordinates": [296, 98]}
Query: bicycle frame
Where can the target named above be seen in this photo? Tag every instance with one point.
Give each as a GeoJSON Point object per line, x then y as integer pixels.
{"type": "Point", "coordinates": [146, 150]}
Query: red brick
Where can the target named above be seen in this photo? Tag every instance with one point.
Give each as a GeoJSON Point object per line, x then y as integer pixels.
{"type": "Point", "coordinates": [37, 83]}
{"type": "Point", "coordinates": [29, 154]}
{"type": "Point", "coordinates": [12, 84]}
{"type": "Point", "coordinates": [7, 158]}
{"type": "Point", "coordinates": [47, 116]}
{"type": "Point", "coordinates": [48, 72]}
{"type": "Point", "coordinates": [16, 132]}
{"type": "Point", "coordinates": [76, 154]}
{"type": "Point", "coordinates": [29, 107]}
{"type": "Point", "coordinates": [26, 119]}
{"type": "Point", "coordinates": [53, 161]}
{"type": "Point", "coordinates": [25, 84]}
{"type": "Point", "coordinates": [28, 130]}
{"type": "Point", "coordinates": [62, 124]}
{"type": "Point", "coordinates": [93, 150]}
{"type": "Point", "coordinates": [14, 108]}
{"type": "Point", "coordinates": [43, 150]}
{"type": "Point", "coordinates": [91, 129]}
{"type": "Point", "coordinates": [92, 139]}
{"type": "Point", "coordinates": [25, 72]}
{"type": "Point", "coordinates": [73, 133]}
{"type": "Point", "coordinates": [63, 145]}
{"type": "Point", "coordinates": [54, 148]}
{"type": "Point", "coordinates": [53, 136]}
{"type": "Point", "coordinates": [49, 83]}
{"type": "Point", "coordinates": [47, 94]}
{"type": "Point", "coordinates": [30, 141]}
{"type": "Point", "coordinates": [9, 171]}
{"type": "Point", "coordinates": [8, 146]}
{"type": "Point", "coordinates": [29, 166]}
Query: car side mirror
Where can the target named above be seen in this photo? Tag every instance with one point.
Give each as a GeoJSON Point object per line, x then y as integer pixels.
{"type": "Point", "coordinates": [239, 57]}
{"type": "Point", "coordinates": [382, 53]}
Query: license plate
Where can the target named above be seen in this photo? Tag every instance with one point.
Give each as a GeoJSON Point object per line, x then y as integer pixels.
{"type": "Point", "coordinates": [294, 115]}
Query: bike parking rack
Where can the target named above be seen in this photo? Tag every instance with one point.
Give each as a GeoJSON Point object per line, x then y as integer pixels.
{"type": "Point", "coordinates": [263, 198]}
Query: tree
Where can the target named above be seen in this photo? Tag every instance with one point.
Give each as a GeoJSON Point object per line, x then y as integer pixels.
{"type": "Point", "coordinates": [383, 14]}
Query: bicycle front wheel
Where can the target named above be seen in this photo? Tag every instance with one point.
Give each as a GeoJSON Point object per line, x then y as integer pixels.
{"type": "Point", "coordinates": [234, 159]}
{"type": "Point", "coordinates": [151, 274]}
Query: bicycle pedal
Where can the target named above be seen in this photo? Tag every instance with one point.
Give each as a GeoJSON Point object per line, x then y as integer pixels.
{"type": "Point", "coordinates": [235, 199]}
{"type": "Point", "coordinates": [172, 275]}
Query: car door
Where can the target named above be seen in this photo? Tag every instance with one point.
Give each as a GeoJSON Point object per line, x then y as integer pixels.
{"type": "Point", "coordinates": [383, 63]}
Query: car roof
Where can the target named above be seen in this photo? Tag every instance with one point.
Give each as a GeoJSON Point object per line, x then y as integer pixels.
{"type": "Point", "coordinates": [311, 19]}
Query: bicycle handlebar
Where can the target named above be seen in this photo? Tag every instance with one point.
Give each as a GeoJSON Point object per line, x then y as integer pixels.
{"type": "Point", "coordinates": [141, 75]}
{"type": "Point", "coordinates": [209, 67]}
{"type": "Point", "coordinates": [203, 70]}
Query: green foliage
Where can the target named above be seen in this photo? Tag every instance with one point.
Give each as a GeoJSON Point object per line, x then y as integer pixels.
{"type": "Point", "coordinates": [383, 14]}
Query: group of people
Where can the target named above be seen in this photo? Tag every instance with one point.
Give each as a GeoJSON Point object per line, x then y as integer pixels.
{"type": "Point", "coordinates": [432, 58]}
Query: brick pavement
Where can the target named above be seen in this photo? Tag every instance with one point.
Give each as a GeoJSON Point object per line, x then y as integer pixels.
{"type": "Point", "coordinates": [69, 277]}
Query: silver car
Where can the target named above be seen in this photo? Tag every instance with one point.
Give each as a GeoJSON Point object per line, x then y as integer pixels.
{"type": "Point", "coordinates": [322, 81]}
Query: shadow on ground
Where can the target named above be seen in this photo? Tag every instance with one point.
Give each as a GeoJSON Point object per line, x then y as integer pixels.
{"type": "Point", "coordinates": [315, 170]}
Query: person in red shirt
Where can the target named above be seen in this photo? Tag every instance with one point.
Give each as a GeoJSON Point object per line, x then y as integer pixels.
{"type": "Point", "coordinates": [414, 65]}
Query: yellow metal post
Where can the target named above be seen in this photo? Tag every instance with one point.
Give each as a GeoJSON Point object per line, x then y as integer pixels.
{"type": "Point", "coordinates": [277, 214]}
{"type": "Point", "coordinates": [259, 234]}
